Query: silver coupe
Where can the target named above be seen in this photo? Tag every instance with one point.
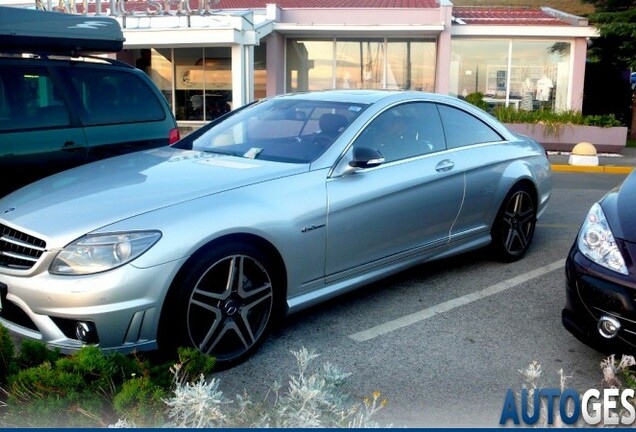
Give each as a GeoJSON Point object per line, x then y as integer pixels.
{"type": "Point", "coordinates": [264, 212]}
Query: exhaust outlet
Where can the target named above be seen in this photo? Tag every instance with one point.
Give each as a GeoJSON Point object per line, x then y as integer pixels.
{"type": "Point", "coordinates": [608, 327]}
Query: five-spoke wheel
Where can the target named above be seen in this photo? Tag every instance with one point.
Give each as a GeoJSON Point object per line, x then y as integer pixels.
{"type": "Point", "coordinates": [514, 227]}
{"type": "Point", "coordinates": [225, 303]}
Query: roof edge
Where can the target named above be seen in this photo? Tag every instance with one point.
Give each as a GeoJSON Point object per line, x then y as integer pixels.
{"type": "Point", "coordinates": [571, 19]}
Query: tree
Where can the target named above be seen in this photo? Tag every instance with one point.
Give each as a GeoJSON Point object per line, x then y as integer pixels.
{"type": "Point", "coordinates": [616, 20]}
{"type": "Point", "coordinates": [616, 48]}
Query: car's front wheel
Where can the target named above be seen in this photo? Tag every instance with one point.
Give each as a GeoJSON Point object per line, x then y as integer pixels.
{"type": "Point", "coordinates": [225, 303]}
{"type": "Point", "coordinates": [514, 226]}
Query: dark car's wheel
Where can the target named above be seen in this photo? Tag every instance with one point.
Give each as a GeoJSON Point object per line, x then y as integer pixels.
{"type": "Point", "coordinates": [513, 229]}
{"type": "Point", "coordinates": [224, 305]}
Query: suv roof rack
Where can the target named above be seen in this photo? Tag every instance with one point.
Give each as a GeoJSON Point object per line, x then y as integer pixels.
{"type": "Point", "coordinates": [21, 54]}
{"type": "Point", "coordinates": [58, 33]}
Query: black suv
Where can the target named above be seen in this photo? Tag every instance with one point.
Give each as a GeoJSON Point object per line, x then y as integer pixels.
{"type": "Point", "coordinates": [61, 108]}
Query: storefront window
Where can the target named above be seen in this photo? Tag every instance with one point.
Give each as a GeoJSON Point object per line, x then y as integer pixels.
{"type": "Point", "coordinates": [203, 83]}
{"type": "Point", "coordinates": [479, 66]}
{"type": "Point", "coordinates": [539, 74]}
{"type": "Point", "coordinates": [527, 75]}
{"type": "Point", "coordinates": [411, 65]}
{"type": "Point", "coordinates": [160, 71]}
{"type": "Point", "coordinates": [309, 65]}
{"type": "Point", "coordinates": [360, 63]}
{"type": "Point", "coordinates": [260, 71]}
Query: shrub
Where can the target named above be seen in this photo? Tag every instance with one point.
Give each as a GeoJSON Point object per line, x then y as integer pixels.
{"type": "Point", "coordinates": [140, 401]}
{"type": "Point", "coordinates": [93, 389]}
{"type": "Point", "coordinates": [8, 363]}
{"type": "Point", "coordinates": [555, 119]}
{"type": "Point", "coordinates": [477, 99]}
{"type": "Point", "coordinates": [33, 353]}
{"type": "Point", "coordinates": [314, 397]}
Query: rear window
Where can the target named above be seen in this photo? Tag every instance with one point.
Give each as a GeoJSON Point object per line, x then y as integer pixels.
{"type": "Point", "coordinates": [112, 97]}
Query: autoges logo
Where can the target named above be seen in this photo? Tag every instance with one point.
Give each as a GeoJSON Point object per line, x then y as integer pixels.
{"type": "Point", "coordinates": [604, 407]}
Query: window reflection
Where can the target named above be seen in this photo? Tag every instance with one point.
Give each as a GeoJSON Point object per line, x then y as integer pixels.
{"type": "Point", "coordinates": [360, 63]}
{"type": "Point", "coordinates": [309, 65]}
{"type": "Point", "coordinates": [535, 77]}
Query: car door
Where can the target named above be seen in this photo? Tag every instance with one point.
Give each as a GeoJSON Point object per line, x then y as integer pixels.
{"type": "Point", "coordinates": [480, 155]}
{"type": "Point", "coordinates": [403, 207]}
{"type": "Point", "coordinates": [39, 135]}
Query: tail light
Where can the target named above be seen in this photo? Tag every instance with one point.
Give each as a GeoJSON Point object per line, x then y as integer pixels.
{"type": "Point", "coordinates": [173, 136]}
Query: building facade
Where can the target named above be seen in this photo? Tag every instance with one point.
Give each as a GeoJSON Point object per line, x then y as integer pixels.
{"type": "Point", "coordinates": [208, 56]}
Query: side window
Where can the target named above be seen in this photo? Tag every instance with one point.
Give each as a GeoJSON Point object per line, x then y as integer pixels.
{"type": "Point", "coordinates": [30, 100]}
{"type": "Point", "coordinates": [463, 129]}
{"type": "Point", "coordinates": [112, 97]}
{"type": "Point", "coordinates": [405, 131]}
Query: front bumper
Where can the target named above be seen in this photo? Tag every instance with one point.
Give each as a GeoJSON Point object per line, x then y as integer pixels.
{"type": "Point", "coordinates": [123, 304]}
{"type": "Point", "coordinates": [593, 292]}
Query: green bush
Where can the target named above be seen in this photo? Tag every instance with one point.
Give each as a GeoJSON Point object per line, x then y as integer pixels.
{"type": "Point", "coordinates": [556, 119]}
{"type": "Point", "coordinates": [33, 353]}
{"type": "Point", "coordinates": [93, 389]}
{"type": "Point", "coordinates": [477, 99]}
{"type": "Point", "coordinates": [8, 363]}
{"type": "Point", "coordinates": [89, 388]}
{"type": "Point", "coordinates": [141, 402]}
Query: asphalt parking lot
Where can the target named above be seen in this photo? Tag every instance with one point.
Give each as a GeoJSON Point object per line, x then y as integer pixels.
{"type": "Point", "coordinates": [444, 341]}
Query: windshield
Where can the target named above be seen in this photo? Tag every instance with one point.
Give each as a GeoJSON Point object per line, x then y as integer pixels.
{"type": "Point", "coordinates": [296, 131]}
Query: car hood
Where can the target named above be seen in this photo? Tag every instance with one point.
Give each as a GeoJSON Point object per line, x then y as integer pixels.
{"type": "Point", "coordinates": [89, 197]}
{"type": "Point", "coordinates": [619, 207]}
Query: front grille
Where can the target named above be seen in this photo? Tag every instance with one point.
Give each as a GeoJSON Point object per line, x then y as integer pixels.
{"type": "Point", "coordinates": [19, 250]}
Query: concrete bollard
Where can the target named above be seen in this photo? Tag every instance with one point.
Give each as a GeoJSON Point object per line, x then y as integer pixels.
{"type": "Point", "coordinates": [583, 153]}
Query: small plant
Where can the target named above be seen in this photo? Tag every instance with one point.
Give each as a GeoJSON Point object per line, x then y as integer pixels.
{"type": "Point", "coordinates": [477, 99]}
{"type": "Point", "coordinates": [313, 398]}
{"type": "Point", "coordinates": [8, 363]}
{"type": "Point", "coordinates": [91, 389]}
{"type": "Point", "coordinates": [553, 119]}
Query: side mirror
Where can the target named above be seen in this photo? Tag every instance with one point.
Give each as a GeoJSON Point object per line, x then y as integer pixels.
{"type": "Point", "coordinates": [366, 157]}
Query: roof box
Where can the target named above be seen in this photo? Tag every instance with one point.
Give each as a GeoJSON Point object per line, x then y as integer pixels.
{"type": "Point", "coordinates": [37, 31]}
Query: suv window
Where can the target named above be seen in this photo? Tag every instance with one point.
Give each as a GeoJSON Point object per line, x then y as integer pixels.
{"type": "Point", "coordinates": [29, 100]}
{"type": "Point", "coordinates": [109, 97]}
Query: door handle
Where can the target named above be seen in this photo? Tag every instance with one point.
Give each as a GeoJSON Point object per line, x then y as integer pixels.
{"type": "Point", "coordinates": [445, 165]}
{"type": "Point", "coordinates": [69, 146]}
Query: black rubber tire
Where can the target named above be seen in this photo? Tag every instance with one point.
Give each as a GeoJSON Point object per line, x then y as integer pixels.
{"type": "Point", "coordinates": [223, 303]}
{"type": "Point", "coordinates": [514, 226]}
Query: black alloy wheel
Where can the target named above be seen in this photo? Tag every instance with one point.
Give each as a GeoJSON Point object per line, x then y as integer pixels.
{"type": "Point", "coordinates": [226, 303]}
{"type": "Point", "coordinates": [513, 229]}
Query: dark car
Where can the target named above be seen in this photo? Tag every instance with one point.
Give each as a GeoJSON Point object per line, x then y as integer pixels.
{"type": "Point", "coordinates": [601, 273]}
{"type": "Point", "coordinates": [60, 107]}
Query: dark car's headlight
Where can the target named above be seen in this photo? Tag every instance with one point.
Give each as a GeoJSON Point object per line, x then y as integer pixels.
{"type": "Point", "coordinates": [97, 253]}
{"type": "Point", "coordinates": [596, 241]}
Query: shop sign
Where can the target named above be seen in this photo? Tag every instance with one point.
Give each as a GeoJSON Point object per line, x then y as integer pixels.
{"type": "Point", "coordinates": [122, 7]}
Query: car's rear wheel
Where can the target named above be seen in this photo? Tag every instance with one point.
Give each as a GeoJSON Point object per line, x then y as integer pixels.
{"type": "Point", "coordinates": [225, 303]}
{"type": "Point", "coordinates": [514, 226]}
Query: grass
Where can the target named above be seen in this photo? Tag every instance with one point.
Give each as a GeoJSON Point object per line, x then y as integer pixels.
{"type": "Point", "coordinates": [570, 6]}
{"type": "Point", "coordinates": [631, 143]}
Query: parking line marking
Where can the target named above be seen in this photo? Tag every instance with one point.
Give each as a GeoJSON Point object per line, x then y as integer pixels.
{"type": "Point", "coordinates": [446, 306]}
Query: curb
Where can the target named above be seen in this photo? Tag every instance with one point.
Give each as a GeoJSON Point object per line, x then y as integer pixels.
{"type": "Point", "coordinates": [610, 169]}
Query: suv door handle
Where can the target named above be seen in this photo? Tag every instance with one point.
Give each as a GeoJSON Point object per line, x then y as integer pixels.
{"type": "Point", "coordinates": [69, 146]}
{"type": "Point", "coordinates": [445, 165]}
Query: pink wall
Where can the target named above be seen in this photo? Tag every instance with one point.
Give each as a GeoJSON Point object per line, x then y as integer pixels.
{"type": "Point", "coordinates": [357, 16]}
{"type": "Point", "coordinates": [578, 77]}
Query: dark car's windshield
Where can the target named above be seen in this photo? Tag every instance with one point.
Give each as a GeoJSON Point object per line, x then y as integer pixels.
{"type": "Point", "coordinates": [296, 131]}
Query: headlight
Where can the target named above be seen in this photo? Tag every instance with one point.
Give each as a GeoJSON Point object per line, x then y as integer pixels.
{"type": "Point", "coordinates": [596, 241]}
{"type": "Point", "coordinates": [97, 253]}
